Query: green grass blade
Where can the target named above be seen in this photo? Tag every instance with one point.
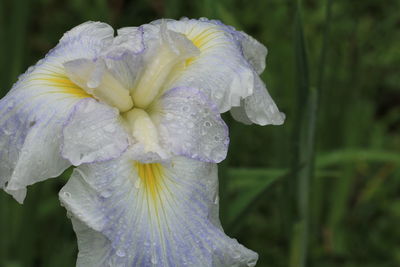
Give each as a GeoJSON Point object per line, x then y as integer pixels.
{"type": "Point", "coordinates": [349, 156]}
{"type": "Point", "coordinates": [318, 184]}
{"type": "Point", "coordinates": [249, 186]}
{"type": "Point", "coordinates": [303, 147]}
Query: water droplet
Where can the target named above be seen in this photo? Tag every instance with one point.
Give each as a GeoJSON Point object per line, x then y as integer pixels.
{"type": "Point", "coordinates": [120, 252]}
{"type": "Point", "coordinates": [216, 200]}
{"type": "Point", "coordinates": [106, 194]}
{"type": "Point", "coordinates": [93, 83]}
{"type": "Point", "coordinates": [154, 260]}
{"type": "Point", "coordinates": [207, 124]}
{"type": "Point", "coordinates": [110, 128]}
{"type": "Point", "coordinates": [271, 109]}
{"type": "Point", "coordinates": [185, 108]}
{"type": "Point", "coordinates": [251, 262]}
{"type": "Point", "coordinates": [137, 183]}
{"type": "Point", "coordinates": [67, 194]}
{"type": "Point", "coordinates": [169, 116]}
{"type": "Point", "coordinates": [89, 108]}
{"type": "Point", "coordinates": [10, 104]}
{"type": "Point", "coordinates": [218, 94]}
{"type": "Point", "coordinates": [236, 255]}
{"type": "Point", "coordinates": [216, 138]}
{"type": "Point", "coordinates": [7, 132]}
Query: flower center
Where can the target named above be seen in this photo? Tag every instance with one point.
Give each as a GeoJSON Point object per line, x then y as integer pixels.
{"type": "Point", "coordinates": [163, 55]}
{"type": "Point", "coordinates": [143, 129]}
{"type": "Point", "coordinates": [154, 77]}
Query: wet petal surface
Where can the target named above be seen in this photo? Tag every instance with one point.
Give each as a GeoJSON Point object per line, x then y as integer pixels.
{"type": "Point", "coordinates": [33, 112]}
{"type": "Point", "coordinates": [150, 215]}
{"type": "Point", "coordinates": [190, 125]}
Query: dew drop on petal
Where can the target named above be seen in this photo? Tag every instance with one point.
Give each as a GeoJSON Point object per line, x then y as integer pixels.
{"type": "Point", "coordinates": [207, 124]}
{"type": "Point", "coordinates": [137, 184]}
{"type": "Point", "coordinates": [251, 263]}
{"type": "Point", "coordinates": [7, 132]}
{"type": "Point", "coordinates": [190, 124]}
{"type": "Point", "coordinates": [236, 256]}
{"type": "Point", "coordinates": [10, 104]}
{"type": "Point", "coordinates": [218, 94]}
{"type": "Point", "coordinates": [106, 193]}
{"type": "Point", "coordinates": [154, 260]}
{"type": "Point", "coordinates": [185, 108]}
{"type": "Point", "coordinates": [120, 252]}
{"type": "Point", "coordinates": [109, 128]}
{"type": "Point", "coordinates": [67, 194]}
{"type": "Point", "coordinates": [169, 116]}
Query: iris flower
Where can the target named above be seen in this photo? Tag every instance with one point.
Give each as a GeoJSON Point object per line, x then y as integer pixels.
{"type": "Point", "coordinates": [138, 115]}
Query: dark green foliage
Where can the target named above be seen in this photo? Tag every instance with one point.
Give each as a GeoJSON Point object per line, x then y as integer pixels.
{"type": "Point", "coordinates": [339, 89]}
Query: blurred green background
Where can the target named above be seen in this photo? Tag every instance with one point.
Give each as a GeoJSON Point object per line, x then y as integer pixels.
{"type": "Point", "coordinates": [322, 190]}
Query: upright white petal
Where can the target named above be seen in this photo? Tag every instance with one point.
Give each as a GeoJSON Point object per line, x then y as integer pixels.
{"type": "Point", "coordinates": [164, 50]}
{"type": "Point", "coordinates": [226, 69]}
{"type": "Point", "coordinates": [220, 70]}
{"type": "Point", "coordinates": [149, 214]}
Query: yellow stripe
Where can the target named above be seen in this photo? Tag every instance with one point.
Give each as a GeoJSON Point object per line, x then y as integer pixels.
{"type": "Point", "coordinates": [200, 40]}
{"type": "Point", "coordinates": [62, 85]}
{"type": "Point", "coordinates": [151, 175]}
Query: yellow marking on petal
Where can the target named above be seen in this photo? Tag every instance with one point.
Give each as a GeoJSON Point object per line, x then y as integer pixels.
{"type": "Point", "coordinates": [62, 85]}
{"type": "Point", "coordinates": [151, 175]}
{"type": "Point", "coordinates": [204, 37]}
{"type": "Point", "coordinates": [200, 40]}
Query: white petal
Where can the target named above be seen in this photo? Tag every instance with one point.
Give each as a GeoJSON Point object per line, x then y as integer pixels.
{"type": "Point", "coordinates": [254, 51]}
{"type": "Point", "coordinates": [150, 214]}
{"type": "Point", "coordinates": [33, 112]}
{"type": "Point", "coordinates": [239, 114]}
{"type": "Point", "coordinates": [164, 50]}
{"type": "Point", "coordinates": [226, 70]}
{"type": "Point", "coordinates": [111, 75]}
{"type": "Point", "coordinates": [260, 108]}
{"type": "Point", "coordinates": [124, 59]}
{"type": "Point", "coordinates": [93, 132]}
{"type": "Point", "coordinates": [190, 125]}
{"type": "Point", "coordinates": [220, 70]}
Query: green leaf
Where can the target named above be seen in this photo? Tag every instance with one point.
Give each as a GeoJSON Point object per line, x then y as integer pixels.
{"type": "Point", "coordinates": [353, 155]}
{"type": "Point", "coordinates": [247, 186]}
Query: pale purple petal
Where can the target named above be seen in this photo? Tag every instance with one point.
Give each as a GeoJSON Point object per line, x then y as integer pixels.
{"type": "Point", "coordinates": [92, 133]}
{"type": "Point", "coordinates": [175, 226]}
{"type": "Point", "coordinates": [190, 125]}
{"type": "Point", "coordinates": [34, 111]}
